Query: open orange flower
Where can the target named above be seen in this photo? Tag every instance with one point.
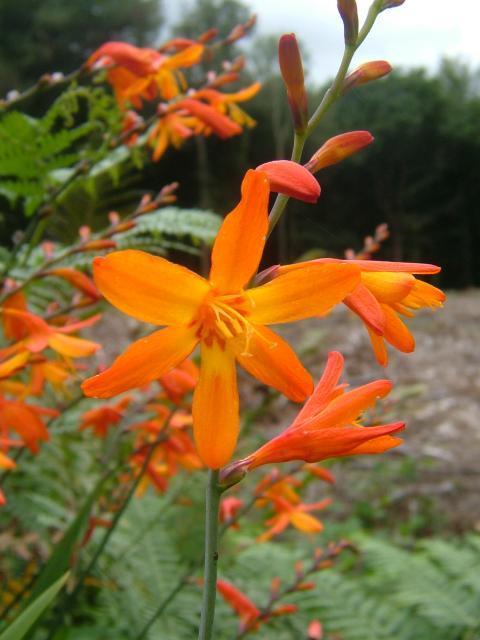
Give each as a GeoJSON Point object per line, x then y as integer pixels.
{"type": "Point", "coordinates": [100, 419]}
{"type": "Point", "coordinates": [327, 425]}
{"type": "Point", "coordinates": [26, 420]}
{"type": "Point", "coordinates": [38, 335]}
{"type": "Point", "coordinates": [249, 614]}
{"type": "Point", "coordinates": [144, 73]}
{"type": "Point", "coordinates": [296, 513]}
{"type": "Point", "coordinates": [227, 102]}
{"type": "Point", "coordinates": [226, 319]}
{"type": "Point", "coordinates": [386, 291]}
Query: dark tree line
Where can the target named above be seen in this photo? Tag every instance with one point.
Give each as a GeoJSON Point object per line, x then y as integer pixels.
{"type": "Point", "coordinates": [420, 175]}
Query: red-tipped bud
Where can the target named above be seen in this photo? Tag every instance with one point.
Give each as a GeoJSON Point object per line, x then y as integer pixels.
{"type": "Point", "coordinates": [367, 72]}
{"type": "Point", "coordinates": [291, 179]}
{"type": "Point", "coordinates": [291, 67]}
{"type": "Point", "coordinates": [305, 586]}
{"type": "Point", "coordinates": [208, 35]}
{"type": "Point", "coordinates": [349, 14]}
{"type": "Point", "coordinates": [338, 148]}
{"type": "Point", "coordinates": [284, 610]}
{"type": "Point", "coordinates": [315, 631]}
{"type": "Point", "coordinates": [97, 245]}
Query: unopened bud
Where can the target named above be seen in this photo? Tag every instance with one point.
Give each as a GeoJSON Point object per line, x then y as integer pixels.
{"type": "Point", "coordinates": [338, 148]}
{"type": "Point", "coordinates": [233, 474]}
{"type": "Point", "coordinates": [208, 35]}
{"type": "Point", "coordinates": [114, 218]}
{"type": "Point", "coordinates": [97, 245]}
{"type": "Point", "coordinates": [291, 67]}
{"type": "Point", "coordinates": [366, 73]}
{"type": "Point", "coordinates": [349, 14]}
{"type": "Point", "coordinates": [390, 4]}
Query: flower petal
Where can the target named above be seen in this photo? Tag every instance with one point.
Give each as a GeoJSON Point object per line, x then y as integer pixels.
{"type": "Point", "coordinates": [239, 244]}
{"type": "Point", "coordinates": [346, 408]}
{"type": "Point", "coordinates": [389, 287]}
{"type": "Point", "coordinates": [306, 523]}
{"type": "Point", "coordinates": [362, 302]}
{"type": "Point", "coordinates": [291, 179]}
{"type": "Point", "coordinates": [149, 288]}
{"type": "Point", "coordinates": [271, 360]}
{"type": "Point", "coordinates": [143, 361]}
{"type": "Point", "coordinates": [396, 332]}
{"type": "Point", "coordinates": [379, 347]}
{"type": "Point", "coordinates": [72, 347]}
{"type": "Point", "coordinates": [215, 406]}
{"type": "Point", "coordinates": [324, 389]}
{"type": "Point", "coordinates": [309, 290]}
{"type": "Point", "coordinates": [313, 445]}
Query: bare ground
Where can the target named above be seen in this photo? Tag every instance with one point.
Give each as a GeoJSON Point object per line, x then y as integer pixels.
{"type": "Point", "coordinates": [437, 392]}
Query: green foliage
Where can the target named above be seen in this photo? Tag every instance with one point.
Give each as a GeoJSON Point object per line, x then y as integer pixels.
{"type": "Point", "coordinates": [34, 153]}
{"type": "Point", "coordinates": [42, 36]}
{"type": "Point", "coordinates": [21, 625]}
{"type": "Point", "coordinates": [186, 230]}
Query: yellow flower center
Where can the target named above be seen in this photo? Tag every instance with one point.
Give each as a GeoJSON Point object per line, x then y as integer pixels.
{"type": "Point", "coordinates": [223, 318]}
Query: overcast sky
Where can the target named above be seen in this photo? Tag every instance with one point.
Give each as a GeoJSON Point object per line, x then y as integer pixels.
{"type": "Point", "coordinates": [418, 33]}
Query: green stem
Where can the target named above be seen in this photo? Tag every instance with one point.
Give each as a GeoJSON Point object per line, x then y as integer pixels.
{"type": "Point", "coordinates": [331, 96]}
{"type": "Point", "coordinates": [212, 504]}
{"type": "Point", "coordinates": [281, 200]}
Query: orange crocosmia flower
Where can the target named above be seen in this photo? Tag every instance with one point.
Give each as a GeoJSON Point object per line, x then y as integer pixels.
{"type": "Point", "coordinates": [240, 603]}
{"type": "Point", "coordinates": [56, 372]}
{"type": "Point", "coordinates": [229, 507]}
{"type": "Point", "coordinates": [214, 121]}
{"type": "Point", "coordinates": [171, 129]}
{"type": "Point", "coordinates": [386, 291]}
{"type": "Point", "coordinates": [227, 320]}
{"type": "Point", "coordinates": [180, 381]}
{"type": "Point", "coordinates": [25, 420]}
{"type": "Point", "coordinates": [102, 418]}
{"type": "Point", "coordinates": [144, 73]}
{"type": "Point", "coordinates": [288, 506]}
{"type": "Point", "coordinates": [176, 451]}
{"type": "Point", "coordinates": [11, 328]}
{"type": "Point", "coordinates": [39, 335]}
{"type": "Point", "coordinates": [249, 614]}
{"type": "Point", "coordinates": [226, 103]}
{"type": "Point", "coordinates": [327, 425]}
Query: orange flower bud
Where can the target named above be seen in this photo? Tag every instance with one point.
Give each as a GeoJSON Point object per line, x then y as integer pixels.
{"type": "Point", "coordinates": [366, 73]}
{"type": "Point", "coordinates": [305, 586]}
{"type": "Point", "coordinates": [338, 148]}
{"type": "Point", "coordinates": [315, 631]}
{"type": "Point", "coordinates": [291, 67]}
{"type": "Point", "coordinates": [284, 610]}
{"type": "Point", "coordinates": [348, 13]}
{"type": "Point", "coordinates": [291, 179]}
{"type": "Point", "coordinates": [97, 245]}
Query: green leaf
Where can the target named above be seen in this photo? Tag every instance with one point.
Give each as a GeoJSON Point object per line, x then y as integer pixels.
{"type": "Point", "coordinates": [19, 627]}
{"type": "Point", "coordinates": [58, 561]}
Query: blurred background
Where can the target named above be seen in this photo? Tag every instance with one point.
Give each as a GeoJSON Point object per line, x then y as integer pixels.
{"type": "Point", "coordinates": [420, 177]}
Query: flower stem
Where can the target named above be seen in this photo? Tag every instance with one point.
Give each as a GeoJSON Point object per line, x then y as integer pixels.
{"type": "Point", "coordinates": [330, 97]}
{"type": "Point", "coordinates": [211, 556]}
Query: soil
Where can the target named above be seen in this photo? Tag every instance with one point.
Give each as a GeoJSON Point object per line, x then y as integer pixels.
{"type": "Point", "coordinates": [437, 393]}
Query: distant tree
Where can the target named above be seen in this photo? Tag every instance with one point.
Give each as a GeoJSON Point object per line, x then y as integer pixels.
{"type": "Point", "coordinates": [41, 36]}
{"type": "Point", "coordinates": [200, 15]}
